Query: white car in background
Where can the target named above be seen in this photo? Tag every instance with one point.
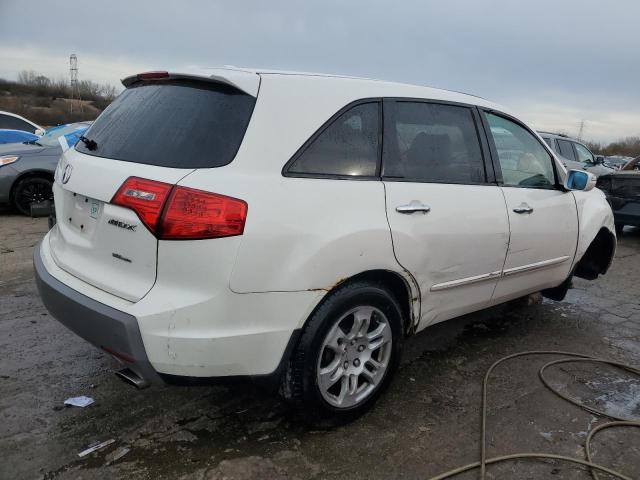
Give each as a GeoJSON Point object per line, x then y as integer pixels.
{"type": "Point", "coordinates": [11, 121]}
{"type": "Point", "coordinates": [298, 227]}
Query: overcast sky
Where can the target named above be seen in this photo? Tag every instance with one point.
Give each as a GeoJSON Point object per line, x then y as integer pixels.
{"type": "Point", "coordinates": [554, 62]}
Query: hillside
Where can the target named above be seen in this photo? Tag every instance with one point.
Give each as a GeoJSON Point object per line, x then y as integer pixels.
{"type": "Point", "coordinates": [48, 103]}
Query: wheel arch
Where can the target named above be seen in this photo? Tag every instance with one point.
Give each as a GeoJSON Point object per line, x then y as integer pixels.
{"type": "Point", "coordinates": [401, 285]}
{"type": "Point", "coordinates": [598, 256]}
{"type": "Point", "coordinates": [36, 172]}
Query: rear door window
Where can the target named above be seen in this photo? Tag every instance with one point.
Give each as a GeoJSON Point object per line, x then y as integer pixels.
{"type": "Point", "coordinates": [432, 142]}
{"type": "Point", "coordinates": [348, 147]}
{"type": "Point", "coordinates": [178, 124]}
{"type": "Point", "coordinates": [566, 149]}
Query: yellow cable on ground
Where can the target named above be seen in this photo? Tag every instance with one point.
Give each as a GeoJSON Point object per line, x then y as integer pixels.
{"type": "Point", "coordinates": [575, 357]}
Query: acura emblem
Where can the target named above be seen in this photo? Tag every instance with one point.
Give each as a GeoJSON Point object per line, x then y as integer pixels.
{"type": "Point", "coordinates": [66, 175]}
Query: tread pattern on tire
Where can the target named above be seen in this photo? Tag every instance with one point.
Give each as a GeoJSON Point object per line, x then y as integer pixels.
{"type": "Point", "coordinates": [293, 384]}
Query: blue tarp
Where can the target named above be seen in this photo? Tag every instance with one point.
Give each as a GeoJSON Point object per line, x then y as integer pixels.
{"type": "Point", "coordinates": [16, 136]}
{"type": "Point", "coordinates": [72, 138]}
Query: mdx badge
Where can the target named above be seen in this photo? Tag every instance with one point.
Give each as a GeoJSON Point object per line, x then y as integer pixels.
{"type": "Point", "coordinates": [119, 224]}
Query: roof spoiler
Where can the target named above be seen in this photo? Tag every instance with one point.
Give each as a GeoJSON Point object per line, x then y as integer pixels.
{"type": "Point", "coordinates": [248, 83]}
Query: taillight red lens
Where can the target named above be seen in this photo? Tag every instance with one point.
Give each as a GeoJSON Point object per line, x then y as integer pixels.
{"type": "Point", "coordinates": [194, 214]}
{"type": "Point", "coordinates": [172, 212]}
{"type": "Point", "coordinates": [145, 197]}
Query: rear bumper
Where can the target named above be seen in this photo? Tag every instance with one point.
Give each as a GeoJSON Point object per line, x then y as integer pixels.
{"type": "Point", "coordinates": [175, 330]}
{"type": "Point", "coordinates": [625, 211]}
{"type": "Point", "coordinates": [626, 218]}
{"type": "Point", "coordinates": [105, 327]}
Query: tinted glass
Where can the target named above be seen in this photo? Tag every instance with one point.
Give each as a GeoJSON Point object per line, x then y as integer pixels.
{"type": "Point", "coordinates": [548, 141]}
{"type": "Point", "coordinates": [566, 150]}
{"type": "Point", "coordinates": [177, 124]}
{"type": "Point", "coordinates": [584, 155]}
{"type": "Point", "coordinates": [429, 142]}
{"type": "Point", "coordinates": [13, 123]}
{"type": "Point", "coordinates": [523, 160]}
{"type": "Point", "coordinates": [347, 147]}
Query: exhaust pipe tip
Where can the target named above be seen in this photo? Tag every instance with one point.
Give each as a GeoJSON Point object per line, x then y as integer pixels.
{"type": "Point", "coordinates": [132, 378]}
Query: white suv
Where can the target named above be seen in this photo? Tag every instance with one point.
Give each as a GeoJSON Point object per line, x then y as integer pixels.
{"type": "Point", "coordinates": [296, 227]}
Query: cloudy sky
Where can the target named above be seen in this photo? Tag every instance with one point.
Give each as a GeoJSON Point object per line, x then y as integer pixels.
{"type": "Point", "coordinates": [555, 62]}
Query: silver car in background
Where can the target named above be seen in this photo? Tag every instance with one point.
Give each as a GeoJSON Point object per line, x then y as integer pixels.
{"type": "Point", "coordinates": [574, 154]}
{"type": "Point", "coordinates": [26, 169]}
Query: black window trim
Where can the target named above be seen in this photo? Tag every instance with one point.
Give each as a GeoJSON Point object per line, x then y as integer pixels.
{"type": "Point", "coordinates": [320, 131]}
{"type": "Point", "coordinates": [489, 173]}
{"type": "Point", "coordinates": [494, 152]}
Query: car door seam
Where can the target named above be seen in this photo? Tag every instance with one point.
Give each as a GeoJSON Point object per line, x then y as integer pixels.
{"type": "Point", "coordinates": [416, 317]}
{"type": "Point", "coordinates": [506, 253]}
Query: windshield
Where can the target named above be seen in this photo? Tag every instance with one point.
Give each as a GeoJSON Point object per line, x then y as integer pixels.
{"type": "Point", "coordinates": [174, 123]}
{"type": "Point", "coordinates": [50, 138]}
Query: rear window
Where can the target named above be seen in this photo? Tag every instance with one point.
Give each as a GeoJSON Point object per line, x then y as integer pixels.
{"type": "Point", "coordinates": [178, 124]}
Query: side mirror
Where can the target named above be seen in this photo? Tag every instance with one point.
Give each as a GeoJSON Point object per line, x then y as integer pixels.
{"type": "Point", "coordinates": [599, 160]}
{"type": "Point", "coordinates": [39, 132]}
{"type": "Point", "coordinates": [580, 180]}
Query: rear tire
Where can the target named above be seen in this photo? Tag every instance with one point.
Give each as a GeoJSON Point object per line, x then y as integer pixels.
{"type": "Point", "coordinates": [29, 190]}
{"type": "Point", "coordinates": [346, 356]}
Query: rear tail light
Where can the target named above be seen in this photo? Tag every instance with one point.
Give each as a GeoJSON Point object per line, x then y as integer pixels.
{"type": "Point", "coordinates": [196, 214]}
{"type": "Point", "coordinates": [145, 197]}
{"type": "Point", "coordinates": [172, 212]}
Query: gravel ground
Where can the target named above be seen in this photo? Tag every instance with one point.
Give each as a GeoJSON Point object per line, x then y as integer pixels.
{"type": "Point", "coordinates": [427, 423]}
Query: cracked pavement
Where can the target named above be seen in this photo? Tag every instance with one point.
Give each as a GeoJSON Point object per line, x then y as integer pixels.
{"type": "Point", "coordinates": [426, 423]}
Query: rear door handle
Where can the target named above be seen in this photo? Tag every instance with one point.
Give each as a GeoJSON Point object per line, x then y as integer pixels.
{"type": "Point", "coordinates": [523, 208]}
{"type": "Point", "coordinates": [412, 207]}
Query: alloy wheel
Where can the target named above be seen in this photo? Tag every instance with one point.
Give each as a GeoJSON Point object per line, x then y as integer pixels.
{"type": "Point", "coordinates": [354, 357]}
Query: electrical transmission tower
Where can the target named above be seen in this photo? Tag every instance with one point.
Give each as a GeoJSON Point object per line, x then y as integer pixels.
{"type": "Point", "coordinates": [581, 130]}
{"type": "Point", "coordinates": [73, 83]}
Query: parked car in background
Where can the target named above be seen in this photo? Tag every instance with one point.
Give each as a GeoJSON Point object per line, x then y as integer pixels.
{"type": "Point", "coordinates": [26, 169]}
{"type": "Point", "coordinates": [575, 154]}
{"type": "Point", "coordinates": [289, 245]}
{"type": "Point", "coordinates": [623, 194]}
{"type": "Point", "coordinates": [16, 136]}
{"type": "Point", "coordinates": [16, 122]}
{"type": "Point", "coordinates": [632, 165]}
{"type": "Point", "coordinates": [616, 161]}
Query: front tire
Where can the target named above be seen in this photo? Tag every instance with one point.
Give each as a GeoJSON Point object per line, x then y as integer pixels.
{"type": "Point", "coordinates": [347, 354]}
{"type": "Point", "coordinates": [31, 190]}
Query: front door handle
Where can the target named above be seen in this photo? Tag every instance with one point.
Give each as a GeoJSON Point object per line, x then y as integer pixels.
{"type": "Point", "coordinates": [523, 208]}
{"type": "Point", "coordinates": [414, 206]}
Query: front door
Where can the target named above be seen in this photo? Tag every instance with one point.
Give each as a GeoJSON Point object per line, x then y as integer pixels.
{"type": "Point", "coordinates": [448, 222]}
{"type": "Point", "coordinates": [542, 215]}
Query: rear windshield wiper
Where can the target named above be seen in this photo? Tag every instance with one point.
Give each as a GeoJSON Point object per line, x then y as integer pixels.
{"type": "Point", "coordinates": [90, 144]}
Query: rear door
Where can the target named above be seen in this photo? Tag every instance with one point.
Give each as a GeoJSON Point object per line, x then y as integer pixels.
{"type": "Point", "coordinates": [447, 217]}
{"type": "Point", "coordinates": [156, 130]}
{"type": "Point", "coordinates": [542, 216]}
